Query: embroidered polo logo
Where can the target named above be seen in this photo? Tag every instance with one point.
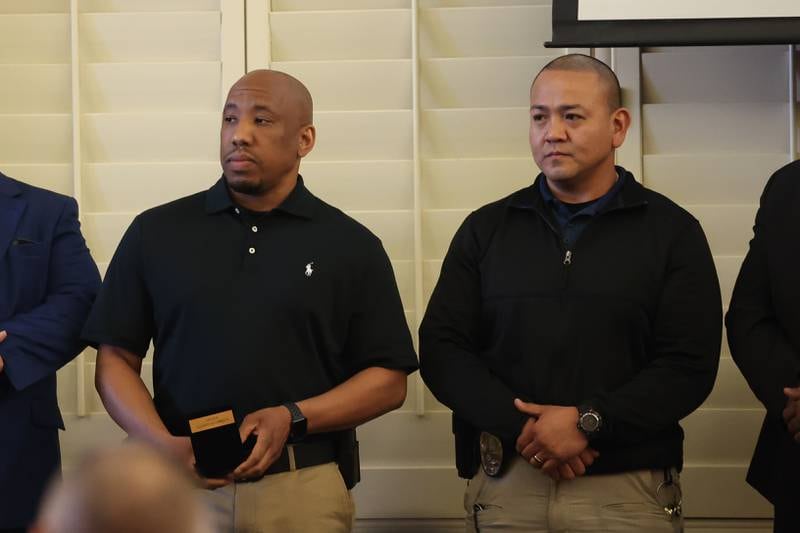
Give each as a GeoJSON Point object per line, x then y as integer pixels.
{"type": "Point", "coordinates": [309, 269]}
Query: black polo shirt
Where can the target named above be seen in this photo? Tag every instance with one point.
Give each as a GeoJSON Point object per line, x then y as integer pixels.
{"type": "Point", "coordinates": [250, 312]}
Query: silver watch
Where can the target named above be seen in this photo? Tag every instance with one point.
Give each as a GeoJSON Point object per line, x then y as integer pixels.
{"type": "Point", "coordinates": [589, 421]}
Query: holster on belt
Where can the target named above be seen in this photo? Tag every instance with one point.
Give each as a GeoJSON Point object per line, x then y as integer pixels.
{"type": "Point", "coordinates": [468, 457]}
{"type": "Point", "coordinates": [347, 457]}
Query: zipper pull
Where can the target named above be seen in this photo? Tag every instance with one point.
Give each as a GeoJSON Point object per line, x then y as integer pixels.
{"type": "Point", "coordinates": [568, 258]}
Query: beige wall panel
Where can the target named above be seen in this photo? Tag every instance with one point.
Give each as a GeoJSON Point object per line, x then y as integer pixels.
{"type": "Point", "coordinates": [36, 139]}
{"type": "Point", "coordinates": [375, 34]}
{"type": "Point", "coordinates": [34, 39]}
{"type": "Point", "coordinates": [413, 492]}
{"type": "Point", "coordinates": [410, 320]}
{"type": "Point", "coordinates": [714, 128]}
{"type": "Point", "coordinates": [393, 228]}
{"type": "Point", "coordinates": [55, 177]}
{"type": "Point", "coordinates": [34, 89]}
{"type": "Point", "coordinates": [727, 227]}
{"type": "Point", "coordinates": [471, 183]}
{"type": "Point", "coordinates": [457, 133]}
{"type": "Point", "coordinates": [322, 5]}
{"type": "Point", "coordinates": [727, 270]}
{"type": "Point", "coordinates": [153, 137]}
{"type": "Point", "coordinates": [427, 440]}
{"type": "Point", "coordinates": [404, 275]}
{"type": "Point", "coordinates": [148, 5]}
{"type": "Point", "coordinates": [67, 384]}
{"type": "Point", "coordinates": [361, 184]}
{"type": "Point", "coordinates": [711, 178]}
{"type": "Point", "coordinates": [103, 232]}
{"type": "Point", "coordinates": [714, 75]}
{"type": "Point", "coordinates": [720, 491]}
{"type": "Point", "coordinates": [731, 390]}
{"type": "Point", "coordinates": [431, 269]}
{"type": "Point", "coordinates": [438, 228]}
{"type": "Point", "coordinates": [481, 3]}
{"type": "Point", "coordinates": [478, 81]}
{"type": "Point", "coordinates": [150, 37]}
{"type": "Point", "coordinates": [432, 405]}
{"type": "Point", "coordinates": [484, 31]}
{"type": "Point", "coordinates": [134, 187]}
{"type": "Point", "coordinates": [34, 6]}
{"type": "Point", "coordinates": [721, 436]}
{"type": "Point", "coordinates": [354, 85]}
{"type": "Point", "coordinates": [150, 87]}
{"type": "Point", "coordinates": [359, 135]}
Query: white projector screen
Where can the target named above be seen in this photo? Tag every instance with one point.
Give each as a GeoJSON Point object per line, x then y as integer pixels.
{"type": "Point", "coordinates": [603, 23]}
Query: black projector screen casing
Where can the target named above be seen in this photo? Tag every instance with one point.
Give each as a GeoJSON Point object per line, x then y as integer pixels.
{"type": "Point", "coordinates": [568, 31]}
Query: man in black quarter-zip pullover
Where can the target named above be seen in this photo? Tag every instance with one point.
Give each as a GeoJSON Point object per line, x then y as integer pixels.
{"type": "Point", "coordinates": [574, 323]}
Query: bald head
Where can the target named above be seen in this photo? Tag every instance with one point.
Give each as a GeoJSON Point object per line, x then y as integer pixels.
{"type": "Point", "coordinates": [583, 63]}
{"type": "Point", "coordinates": [130, 489]}
{"type": "Point", "coordinates": [288, 89]}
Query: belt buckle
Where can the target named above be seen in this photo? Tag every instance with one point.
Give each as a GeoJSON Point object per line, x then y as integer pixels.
{"type": "Point", "coordinates": [491, 454]}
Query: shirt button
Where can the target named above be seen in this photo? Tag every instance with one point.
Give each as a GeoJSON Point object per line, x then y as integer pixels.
{"type": "Point", "coordinates": [236, 210]}
{"type": "Point", "coordinates": [255, 229]}
{"type": "Point", "coordinates": [252, 251]}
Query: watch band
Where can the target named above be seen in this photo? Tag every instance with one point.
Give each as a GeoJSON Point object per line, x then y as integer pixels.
{"type": "Point", "coordinates": [299, 425]}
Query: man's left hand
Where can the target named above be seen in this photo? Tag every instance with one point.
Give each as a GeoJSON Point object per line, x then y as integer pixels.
{"type": "Point", "coordinates": [3, 336]}
{"type": "Point", "coordinates": [791, 414]}
{"type": "Point", "coordinates": [271, 427]}
{"type": "Point", "coordinates": [556, 433]}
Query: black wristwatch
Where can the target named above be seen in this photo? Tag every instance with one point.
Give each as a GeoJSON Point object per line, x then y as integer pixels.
{"type": "Point", "coordinates": [299, 427]}
{"type": "Point", "coordinates": [589, 421]}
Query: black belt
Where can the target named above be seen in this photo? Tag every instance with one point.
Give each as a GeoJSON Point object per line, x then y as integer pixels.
{"type": "Point", "coordinates": [305, 454]}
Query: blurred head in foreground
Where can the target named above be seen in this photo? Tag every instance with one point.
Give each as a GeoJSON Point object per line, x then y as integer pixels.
{"type": "Point", "coordinates": [127, 489]}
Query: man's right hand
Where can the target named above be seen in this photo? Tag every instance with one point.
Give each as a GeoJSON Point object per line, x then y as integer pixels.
{"type": "Point", "coordinates": [569, 469]}
{"type": "Point", "coordinates": [791, 414]}
{"type": "Point", "coordinates": [181, 449]}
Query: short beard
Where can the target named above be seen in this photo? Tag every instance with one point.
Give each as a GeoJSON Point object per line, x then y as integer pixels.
{"type": "Point", "coordinates": [246, 187]}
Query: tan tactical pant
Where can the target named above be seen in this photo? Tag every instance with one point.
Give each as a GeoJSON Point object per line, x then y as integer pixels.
{"type": "Point", "coordinates": [526, 500]}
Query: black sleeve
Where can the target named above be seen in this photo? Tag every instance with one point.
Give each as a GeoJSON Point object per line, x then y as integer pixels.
{"type": "Point", "coordinates": [449, 345]}
{"type": "Point", "coordinates": [758, 343]}
{"type": "Point", "coordinates": [122, 315]}
{"type": "Point", "coordinates": [378, 334]}
{"type": "Point", "coordinates": [687, 333]}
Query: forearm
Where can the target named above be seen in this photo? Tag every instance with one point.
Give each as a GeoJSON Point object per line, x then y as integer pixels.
{"type": "Point", "coordinates": [367, 395]}
{"type": "Point", "coordinates": [126, 397]}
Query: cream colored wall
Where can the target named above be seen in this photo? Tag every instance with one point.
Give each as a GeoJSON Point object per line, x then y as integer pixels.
{"type": "Point", "coordinates": [421, 110]}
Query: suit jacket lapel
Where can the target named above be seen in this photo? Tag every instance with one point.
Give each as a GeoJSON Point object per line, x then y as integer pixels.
{"type": "Point", "coordinates": [12, 205]}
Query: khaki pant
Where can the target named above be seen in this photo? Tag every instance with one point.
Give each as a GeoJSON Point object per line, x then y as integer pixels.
{"type": "Point", "coordinates": [307, 500]}
{"type": "Point", "coordinates": [526, 500]}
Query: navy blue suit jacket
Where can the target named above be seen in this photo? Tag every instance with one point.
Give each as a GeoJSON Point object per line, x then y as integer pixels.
{"type": "Point", "coordinates": [48, 282]}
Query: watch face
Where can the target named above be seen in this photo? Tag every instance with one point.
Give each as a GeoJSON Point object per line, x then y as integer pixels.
{"type": "Point", "coordinates": [590, 422]}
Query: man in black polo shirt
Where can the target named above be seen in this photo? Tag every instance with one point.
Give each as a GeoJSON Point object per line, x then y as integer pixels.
{"type": "Point", "coordinates": [260, 297]}
{"type": "Point", "coordinates": [574, 323]}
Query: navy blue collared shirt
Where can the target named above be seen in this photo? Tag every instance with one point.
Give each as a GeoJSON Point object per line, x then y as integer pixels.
{"type": "Point", "coordinates": [572, 219]}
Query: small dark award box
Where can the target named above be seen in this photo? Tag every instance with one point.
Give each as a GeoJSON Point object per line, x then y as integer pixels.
{"type": "Point", "coordinates": [218, 450]}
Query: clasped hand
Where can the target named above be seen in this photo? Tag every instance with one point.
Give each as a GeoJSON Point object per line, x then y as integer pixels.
{"type": "Point", "coordinates": [791, 413]}
{"type": "Point", "coordinates": [550, 440]}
